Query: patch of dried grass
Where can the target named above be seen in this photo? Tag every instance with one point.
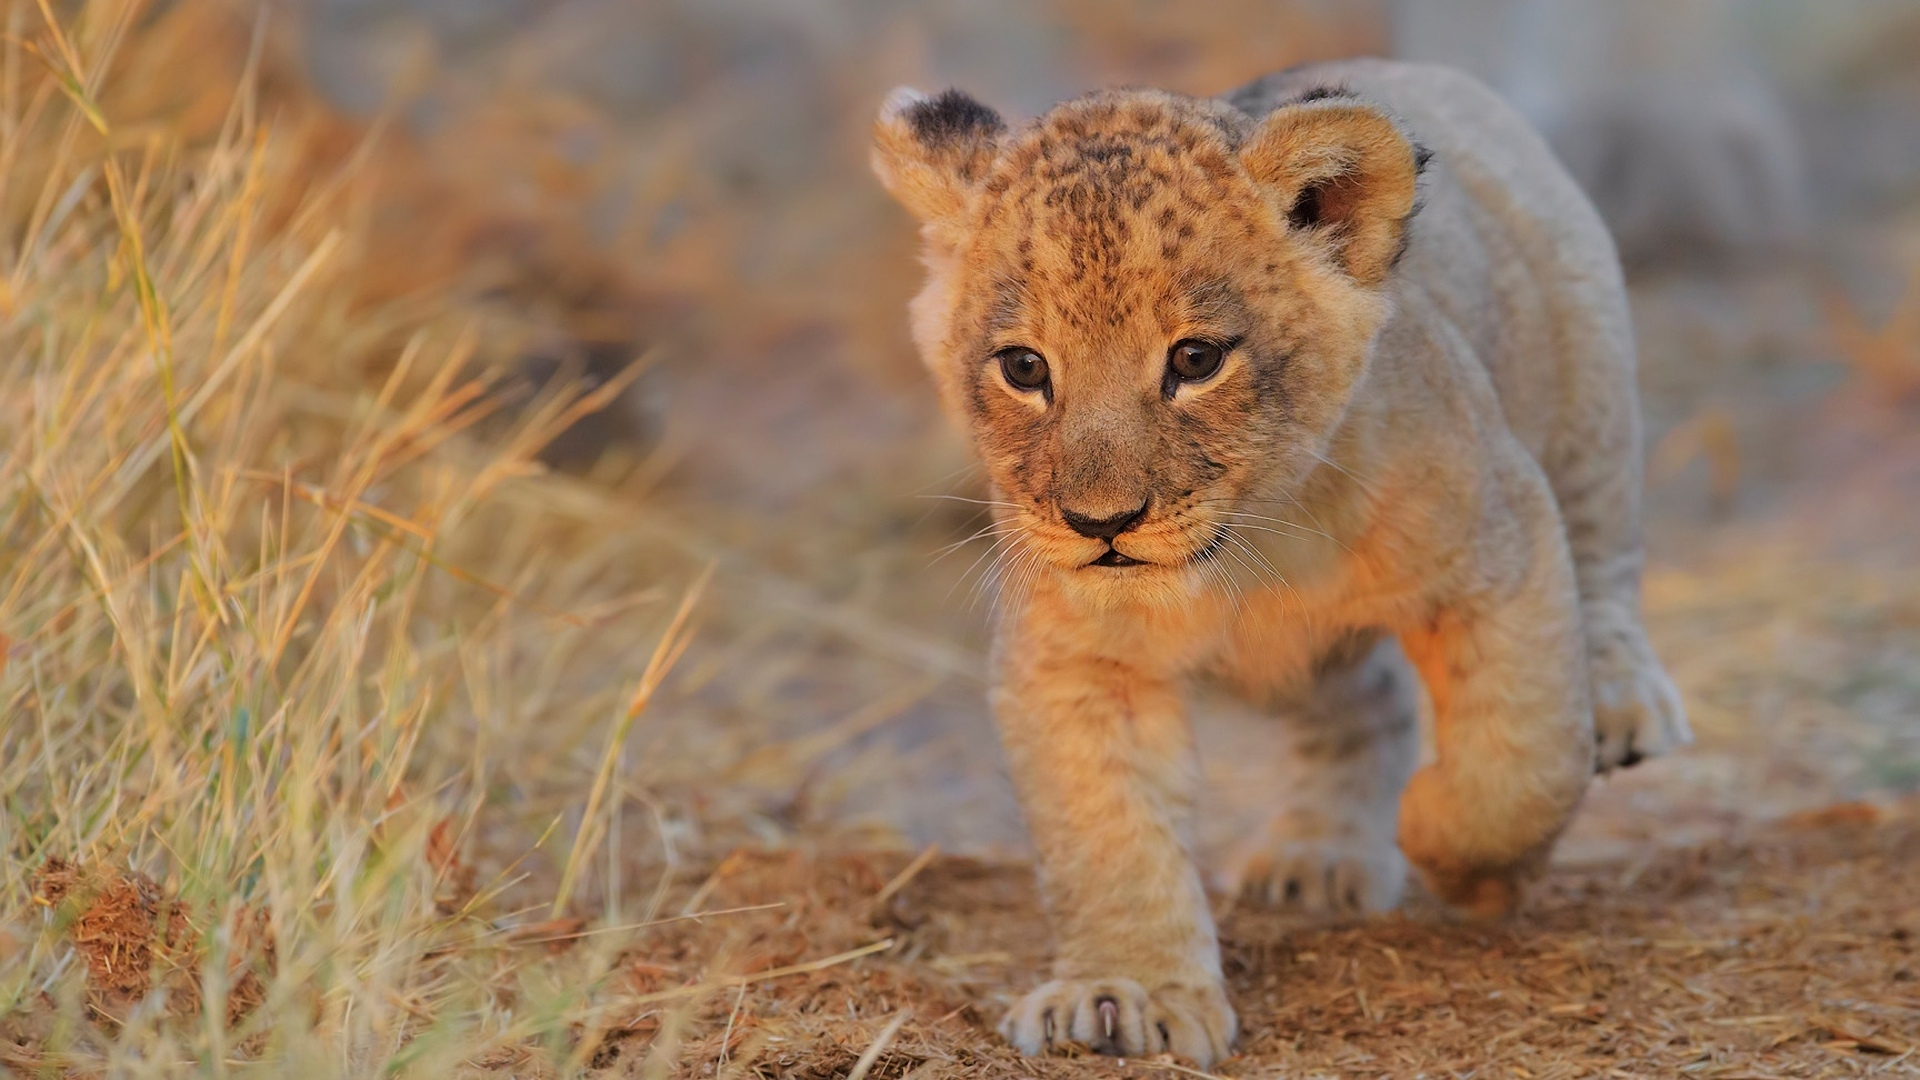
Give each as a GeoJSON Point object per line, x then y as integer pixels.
{"type": "Point", "coordinates": [276, 638]}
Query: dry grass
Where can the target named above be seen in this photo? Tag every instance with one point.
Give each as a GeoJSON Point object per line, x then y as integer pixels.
{"type": "Point", "coordinates": [336, 737]}
{"type": "Point", "coordinates": [272, 639]}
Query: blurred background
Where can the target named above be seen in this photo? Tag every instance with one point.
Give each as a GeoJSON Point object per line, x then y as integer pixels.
{"type": "Point", "coordinates": [599, 181]}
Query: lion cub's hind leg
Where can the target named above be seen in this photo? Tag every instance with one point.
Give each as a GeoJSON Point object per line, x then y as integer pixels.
{"type": "Point", "coordinates": [1351, 739]}
{"type": "Point", "coordinates": [1593, 462]}
{"type": "Point", "coordinates": [1637, 712]}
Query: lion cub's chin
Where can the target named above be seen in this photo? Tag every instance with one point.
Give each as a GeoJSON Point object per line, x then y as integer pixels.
{"type": "Point", "coordinates": [1149, 584]}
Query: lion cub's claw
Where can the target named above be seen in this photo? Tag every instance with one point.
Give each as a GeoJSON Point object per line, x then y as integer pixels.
{"type": "Point", "coordinates": [1122, 1018]}
{"type": "Point", "coordinates": [1344, 876]}
{"type": "Point", "coordinates": [1637, 712]}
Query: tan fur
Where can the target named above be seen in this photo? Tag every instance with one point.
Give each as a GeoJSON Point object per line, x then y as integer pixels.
{"type": "Point", "coordinates": [1425, 428]}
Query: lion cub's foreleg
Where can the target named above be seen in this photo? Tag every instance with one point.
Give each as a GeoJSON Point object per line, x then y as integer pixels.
{"type": "Point", "coordinates": [1351, 738]}
{"type": "Point", "coordinates": [1503, 656]}
{"type": "Point", "coordinates": [1103, 759]}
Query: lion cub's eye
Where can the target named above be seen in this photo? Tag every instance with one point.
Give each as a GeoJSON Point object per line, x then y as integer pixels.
{"type": "Point", "coordinates": [1024, 368]}
{"type": "Point", "coordinates": [1193, 360]}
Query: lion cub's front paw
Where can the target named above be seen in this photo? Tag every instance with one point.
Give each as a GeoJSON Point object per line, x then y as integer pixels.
{"type": "Point", "coordinates": [1334, 875]}
{"type": "Point", "coordinates": [1120, 1017]}
{"type": "Point", "coordinates": [1636, 709]}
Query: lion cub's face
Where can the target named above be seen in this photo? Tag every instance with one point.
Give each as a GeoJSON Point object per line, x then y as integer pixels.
{"type": "Point", "coordinates": [1147, 308]}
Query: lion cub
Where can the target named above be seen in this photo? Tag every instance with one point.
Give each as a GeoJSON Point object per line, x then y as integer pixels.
{"type": "Point", "coordinates": [1305, 388]}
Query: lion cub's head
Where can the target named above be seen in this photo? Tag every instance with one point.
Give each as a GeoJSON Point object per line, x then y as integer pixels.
{"type": "Point", "coordinates": [1145, 308]}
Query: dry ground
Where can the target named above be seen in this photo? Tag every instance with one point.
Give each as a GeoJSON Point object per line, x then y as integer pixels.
{"type": "Point", "coordinates": [1786, 951]}
{"type": "Point", "coordinates": [1789, 951]}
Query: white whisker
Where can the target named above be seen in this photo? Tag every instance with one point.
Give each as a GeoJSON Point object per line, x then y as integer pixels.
{"type": "Point", "coordinates": [1311, 516]}
{"type": "Point", "coordinates": [952, 477]}
{"type": "Point", "coordinates": [1300, 532]}
{"type": "Point", "coordinates": [1289, 500]}
{"type": "Point", "coordinates": [1021, 589]}
{"type": "Point", "coordinates": [1229, 582]}
{"type": "Point", "coordinates": [1261, 521]}
{"type": "Point", "coordinates": [995, 529]}
{"type": "Point", "coordinates": [975, 502]}
{"type": "Point", "coordinates": [1008, 575]}
{"type": "Point", "coordinates": [1365, 484]}
{"type": "Point", "coordinates": [1231, 532]}
{"type": "Point", "coordinates": [1276, 575]}
{"type": "Point", "coordinates": [1005, 563]}
{"type": "Point", "coordinates": [1236, 550]}
{"type": "Point", "coordinates": [993, 552]}
{"type": "Point", "coordinates": [1284, 532]}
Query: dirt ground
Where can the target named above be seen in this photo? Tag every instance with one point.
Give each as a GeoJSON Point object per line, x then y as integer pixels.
{"type": "Point", "coordinates": [1792, 950]}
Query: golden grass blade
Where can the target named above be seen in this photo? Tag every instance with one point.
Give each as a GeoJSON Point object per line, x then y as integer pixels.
{"type": "Point", "coordinates": [879, 1045]}
{"type": "Point", "coordinates": [665, 652]}
{"type": "Point", "coordinates": [787, 971]}
{"type": "Point", "coordinates": [906, 875]}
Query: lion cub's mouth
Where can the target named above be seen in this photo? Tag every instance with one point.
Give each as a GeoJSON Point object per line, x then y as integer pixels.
{"type": "Point", "coordinates": [1113, 557]}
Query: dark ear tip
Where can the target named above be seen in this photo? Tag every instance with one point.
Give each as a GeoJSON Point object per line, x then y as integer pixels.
{"type": "Point", "coordinates": [1321, 93]}
{"type": "Point", "coordinates": [948, 117]}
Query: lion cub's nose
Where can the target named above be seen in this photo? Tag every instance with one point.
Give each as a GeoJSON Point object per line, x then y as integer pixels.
{"type": "Point", "coordinates": [1102, 528]}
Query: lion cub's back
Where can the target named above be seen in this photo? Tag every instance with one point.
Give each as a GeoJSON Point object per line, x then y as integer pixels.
{"type": "Point", "coordinates": [1505, 243]}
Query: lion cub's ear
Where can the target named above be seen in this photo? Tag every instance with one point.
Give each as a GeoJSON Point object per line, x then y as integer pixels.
{"type": "Point", "coordinates": [1344, 172]}
{"type": "Point", "coordinates": [931, 153]}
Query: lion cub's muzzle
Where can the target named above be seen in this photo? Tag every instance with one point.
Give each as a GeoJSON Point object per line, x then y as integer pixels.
{"type": "Point", "coordinates": [1107, 527]}
{"type": "Point", "coordinates": [1102, 528]}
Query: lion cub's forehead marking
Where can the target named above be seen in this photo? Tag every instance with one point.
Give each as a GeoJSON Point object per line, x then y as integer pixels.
{"type": "Point", "coordinates": [1094, 209]}
{"type": "Point", "coordinates": [1087, 164]}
